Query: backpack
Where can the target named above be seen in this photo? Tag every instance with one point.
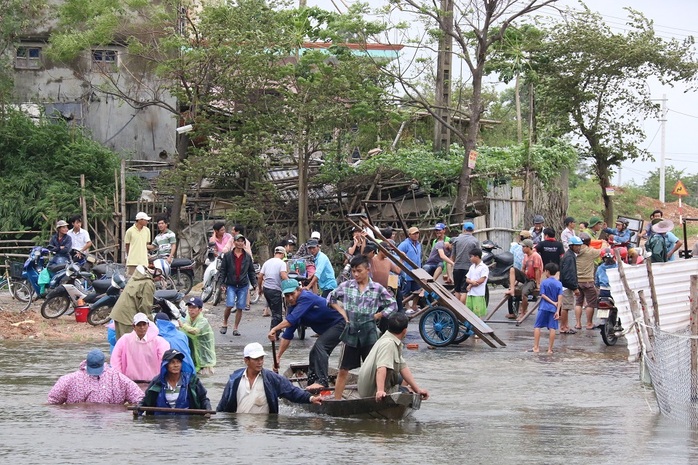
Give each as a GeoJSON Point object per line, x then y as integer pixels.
{"type": "Point", "coordinates": [656, 245]}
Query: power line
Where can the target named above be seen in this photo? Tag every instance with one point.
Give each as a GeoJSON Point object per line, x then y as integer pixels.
{"type": "Point", "coordinates": [684, 114]}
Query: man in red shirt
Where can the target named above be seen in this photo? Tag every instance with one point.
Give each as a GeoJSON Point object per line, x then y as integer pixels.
{"type": "Point", "coordinates": [529, 275]}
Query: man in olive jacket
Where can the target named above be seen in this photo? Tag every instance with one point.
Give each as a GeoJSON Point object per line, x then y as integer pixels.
{"type": "Point", "coordinates": [136, 297]}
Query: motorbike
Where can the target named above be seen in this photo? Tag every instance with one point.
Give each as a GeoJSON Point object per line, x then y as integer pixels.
{"type": "Point", "coordinates": [212, 284]}
{"type": "Point", "coordinates": [182, 273]}
{"type": "Point", "coordinates": [101, 308]}
{"type": "Point", "coordinates": [499, 265]}
{"type": "Point", "coordinates": [38, 260]}
{"type": "Point", "coordinates": [607, 312]}
{"type": "Point", "coordinates": [71, 290]}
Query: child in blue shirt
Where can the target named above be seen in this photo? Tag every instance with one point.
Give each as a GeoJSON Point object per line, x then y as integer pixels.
{"type": "Point", "coordinates": [549, 309]}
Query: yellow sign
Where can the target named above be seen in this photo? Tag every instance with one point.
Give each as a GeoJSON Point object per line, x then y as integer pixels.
{"type": "Point", "coordinates": [680, 189]}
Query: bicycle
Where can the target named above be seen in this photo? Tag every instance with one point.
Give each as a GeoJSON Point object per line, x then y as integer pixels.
{"type": "Point", "coordinates": [14, 288]}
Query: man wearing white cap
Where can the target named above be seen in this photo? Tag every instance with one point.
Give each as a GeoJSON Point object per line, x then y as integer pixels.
{"type": "Point", "coordinates": [138, 354]}
{"type": "Point", "coordinates": [269, 282]}
{"type": "Point", "coordinates": [256, 390]}
{"type": "Point", "coordinates": [136, 242]}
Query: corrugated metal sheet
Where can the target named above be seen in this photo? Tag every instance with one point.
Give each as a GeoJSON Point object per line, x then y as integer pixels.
{"type": "Point", "coordinates": [671, 282]}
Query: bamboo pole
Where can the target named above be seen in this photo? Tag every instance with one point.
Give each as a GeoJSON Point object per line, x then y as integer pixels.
{"type": "Point", "coordinates": [694, 340]}
{"type": "Point", "coordinates": [83, 201]}
{"type": "Point", "coordinates": [653, 291]}
{"type": "Point", "coordinates": [642, 336]}
{"type": "Point", "coordinates": [122, 208]}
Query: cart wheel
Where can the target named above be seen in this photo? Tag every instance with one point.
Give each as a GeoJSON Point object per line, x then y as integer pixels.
{"type": "Point", "coordinates": [438, 327]}
{"type": "Point", "coordinates": [464, 332]}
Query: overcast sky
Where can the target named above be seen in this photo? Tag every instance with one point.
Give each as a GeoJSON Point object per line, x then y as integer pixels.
{"type": "Point", "coordinates": [672, 18]}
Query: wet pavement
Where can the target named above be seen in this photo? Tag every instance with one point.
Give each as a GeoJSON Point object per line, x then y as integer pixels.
{"type": "Point", "coordinates": [583, 404]}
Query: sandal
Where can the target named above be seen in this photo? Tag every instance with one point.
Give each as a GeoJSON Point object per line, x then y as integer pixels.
{"type": "Point", "coordinates": [236, 332]}
{"type": "Point", "coordinates": [568, 331]}
{"type": "Point", "coordinates": [224, 329]}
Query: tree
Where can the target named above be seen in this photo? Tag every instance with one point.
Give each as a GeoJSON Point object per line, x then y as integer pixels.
{"type": "Point", "coordinates": [474, 26]}
{"type": "Point", "coordinates": [650, 187]}
{"type": "Point", "coordinates": [16, 18]}
{"type": "Point", "coordinates": [593, 86]}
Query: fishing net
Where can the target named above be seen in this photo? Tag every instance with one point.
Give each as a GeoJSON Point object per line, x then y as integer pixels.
{"type": "Point", "coordinates": [675, 384]}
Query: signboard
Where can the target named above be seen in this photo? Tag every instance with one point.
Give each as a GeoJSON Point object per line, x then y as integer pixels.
{"type": "Point", "coordinates": [472, 158]}
{"type": "Point", "coordinates": [679, 189]}
{"type": "Point", "coordinates": [610, 191]}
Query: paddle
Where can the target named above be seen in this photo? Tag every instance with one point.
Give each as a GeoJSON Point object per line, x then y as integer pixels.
{"type": "Point", "coordinates": [273, 353]}
{"type": "Point", "coordinates": [184, 411]}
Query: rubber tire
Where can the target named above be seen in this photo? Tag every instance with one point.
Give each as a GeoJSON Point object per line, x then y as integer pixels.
{"type": "Point", "coordinates": [254, 296]}
{"type": "Point", "coordinates": [100, 316]}
{"type": "Point", "coordinates": [608, 333]}
{"type": "Point", "coordinates": [463, 334]}
{"type": "Point", "coordinates": [183, 283]}
{"type": "Point", "coordinates": [301, 332]}
{"type": "Point", "coordinates": [207, 292]}
{"type": "Point", "coordinates": [438, 327]}
{"type": "Point", "coordinates": [55, 306]}
{"type": "Point", "coordinates": [514, 304]}
{"type": "Point", "coordinates": [24, 293]}
{"type": "Point", "coordinates": [217, 293]}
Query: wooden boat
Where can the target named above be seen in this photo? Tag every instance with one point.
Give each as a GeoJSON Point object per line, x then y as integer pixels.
{"type": "Point", "coordinates": [395, 406]}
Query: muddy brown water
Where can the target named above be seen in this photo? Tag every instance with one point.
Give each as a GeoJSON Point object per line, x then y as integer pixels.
{"type": "Point", "coordinates": [584, 404]}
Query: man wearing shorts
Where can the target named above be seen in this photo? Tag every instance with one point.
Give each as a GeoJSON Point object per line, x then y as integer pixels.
{"type": "Point", "coordinates": [568, 279]}
{"type": "Point", "coordinates": [530, 276]}
{"type": "Point", "coordinates": [238, 270]}
{"type": "Point", "coordinates": [362, 302]}
{"type": "Point", "coordinates": [460, 254]}
{"type": "Point", "coordinates": [585, 277]}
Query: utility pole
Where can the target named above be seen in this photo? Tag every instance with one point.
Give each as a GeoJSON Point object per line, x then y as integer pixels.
{"type": "Point", "coordinates": [442, 134]}
{"type": "Point", "coordinates": [662, 170]}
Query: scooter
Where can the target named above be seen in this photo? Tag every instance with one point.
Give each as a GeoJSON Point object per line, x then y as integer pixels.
{"type": "Point", "coordinates": [70, 291]}
{"type": "Point", "coordinates": [607, 312]}
{"type": "Point", "coordinates": [499, 265]}
{"type": "Point", "coordinates": [182, 273]}
{"type": "Point", "coordinates": [211, 284]}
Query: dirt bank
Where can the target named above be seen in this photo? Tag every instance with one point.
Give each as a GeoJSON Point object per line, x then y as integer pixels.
{"type": "Point", "coordinates": [31, 325]}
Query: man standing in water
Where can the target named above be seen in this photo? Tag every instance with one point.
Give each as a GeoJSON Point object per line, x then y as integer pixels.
{"type": "Point", "coordinates": [256, 390]}
{"type": "Point", "coordinates": [362, 303]}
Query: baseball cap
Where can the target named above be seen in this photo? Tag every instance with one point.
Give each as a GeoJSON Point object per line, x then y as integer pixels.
{"type": "Point", "coordinates": [196, 302]}
{"type": "Point", "coordinates": [172, 354]}
{"type": "Point", "coordinates": [142, 216]}
{"type": "Point", "coordinates": [238, 237]}
{"type": "Point", "coordinates": [289, 285]}
{"type": "Point", "coordinates": [439, 226]}
{"type": "Point", "coordinates": [162, 316]}
{"type": "Point", "coordinates": [95, 362]}
{"type": "Point", "coordinates": [469, 226]}
{"type": "Point", "coordinates": [254, 350]}
{"type": "Point", "coordinates": [315, 235]}
{"type": "Point", "coordinates": [525, 233]}
{"type": "Point", "coordinates": [412, 230]}
{"type": "Point", "coordinates": [574, 240]}
{"type": "Point", "coordinates": [280, 250]}
{"type": "Point", "coordinates": [61, 223]}
{"type": "Point", "coordinates": [312, 243]}
{"type": "Point", "coordinates": [527, 243]}
{"type": "Point", "coordinates": [140, 318]}
{"type": "Point", "coordinates": [370, 247]}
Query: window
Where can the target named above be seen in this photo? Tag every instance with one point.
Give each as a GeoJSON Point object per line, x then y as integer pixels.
{"type": "Point", "coordinates": [28, 58]}
{"type": "Point", "coordinates": [105, 60]}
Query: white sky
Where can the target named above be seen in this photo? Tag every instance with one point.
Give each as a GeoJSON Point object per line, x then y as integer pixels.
{"type": "Point", "coordinates": [672, 18]}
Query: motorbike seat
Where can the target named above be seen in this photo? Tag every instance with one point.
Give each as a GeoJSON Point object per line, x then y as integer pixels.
{"type": "Point", "coordinates": [100, 269]}
{"type": "Point", "coordinates": [180, 262]}
{"type": "Point", "coordinates": [167, 294]}
{"type": "Point", "coordinates": [56, 267]}
{"type": "Point", "coordinates": [101, 285]}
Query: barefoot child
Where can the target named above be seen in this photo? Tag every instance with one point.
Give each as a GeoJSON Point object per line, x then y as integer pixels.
{"type": "Point", "coordinates": [549, 310]}
{"type": "Point", "coordinates": [477, 284]}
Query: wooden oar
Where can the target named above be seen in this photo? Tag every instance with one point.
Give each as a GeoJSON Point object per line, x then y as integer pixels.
{"type": "Point", "coordinates": [273, 354]}
{"type": "Point", "coordinates": [348, 387]}
{"type": "Point", "coordinates": [184, 411]}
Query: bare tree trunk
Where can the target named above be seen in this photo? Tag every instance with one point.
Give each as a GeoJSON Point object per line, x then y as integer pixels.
{"type": "Point", "coordinates": [303, 163]}
{"type": "Point", "coordinates": [177, 203]}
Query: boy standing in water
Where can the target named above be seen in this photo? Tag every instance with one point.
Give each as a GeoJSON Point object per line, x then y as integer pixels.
{"type": "Point", "coordinates": [550, 305]}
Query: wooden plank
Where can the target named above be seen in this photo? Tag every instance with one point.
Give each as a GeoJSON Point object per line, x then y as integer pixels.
{"type": "Point", "coordinates": [499, 305]}
{"type": "Point", "coordinates": [530, 310]}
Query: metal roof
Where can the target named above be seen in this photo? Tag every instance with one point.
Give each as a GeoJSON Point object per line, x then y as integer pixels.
{"type": "Point", "coordinates": [672, 284]}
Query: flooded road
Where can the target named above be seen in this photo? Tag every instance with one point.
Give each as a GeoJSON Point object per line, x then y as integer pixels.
{"type": "Point", "coordinates": [583, 404]}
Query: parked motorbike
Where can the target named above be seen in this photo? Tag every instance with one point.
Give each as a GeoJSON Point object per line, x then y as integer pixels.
{"type": "Point", "coordinates": [182, 273]}
{"type": "Point", "coordinates": [211, 280]}
{"type": "Point", "coordinates": [39, 258]}
{"type": "Point", "coordinates": [71, 290]}
{"type": "Point", "coordinates": [607, 312]}
{"type": "Point", "coordinates": [499, 265]}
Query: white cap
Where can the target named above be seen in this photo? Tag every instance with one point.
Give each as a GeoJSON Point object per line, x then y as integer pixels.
{"type": "Point", "coordinates": [142, 216]}
{"type": "Point", "coordinates": [254, 350]}
{"type": "Point", "coordinates": [140, 318]}
{"type": "Point", "coordinates": [315, 235]}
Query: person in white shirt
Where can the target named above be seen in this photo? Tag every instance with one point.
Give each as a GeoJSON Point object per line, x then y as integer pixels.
{"type": "Point", "coordinates": [80, 237]}
{"type": "Point", "coordinates": [272, 273]}
{"type": "Point", "coordinates": [476, 279]}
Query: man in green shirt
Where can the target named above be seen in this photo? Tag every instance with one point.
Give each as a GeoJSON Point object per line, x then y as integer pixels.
{"type": "Point", "coordinates": [384, 370]}
{"type": "Point", "coordinates": [165, 243]}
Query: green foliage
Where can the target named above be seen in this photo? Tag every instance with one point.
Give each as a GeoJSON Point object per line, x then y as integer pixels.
{"type": "Point", "coordinates": [40, 167]}
{"type": "Point", "coordinates": [650, 187]}
{"type": "Point", "coordinates": [586, 201]}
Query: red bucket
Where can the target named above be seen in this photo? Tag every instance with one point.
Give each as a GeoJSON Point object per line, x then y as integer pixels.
{"type": "Point", "coordinates": [81, 314]}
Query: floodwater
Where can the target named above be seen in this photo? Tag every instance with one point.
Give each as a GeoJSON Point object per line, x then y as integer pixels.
{"type": "Point", "coordinates": [584, 404]}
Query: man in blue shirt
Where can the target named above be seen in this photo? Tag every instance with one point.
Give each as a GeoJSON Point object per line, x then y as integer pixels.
{"type": "Point", "coordinates": [411, 247]}
{"type": "Point", "coordinates": [308, 309]}
{"type": "Point", "coordinates": [324, 273]}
